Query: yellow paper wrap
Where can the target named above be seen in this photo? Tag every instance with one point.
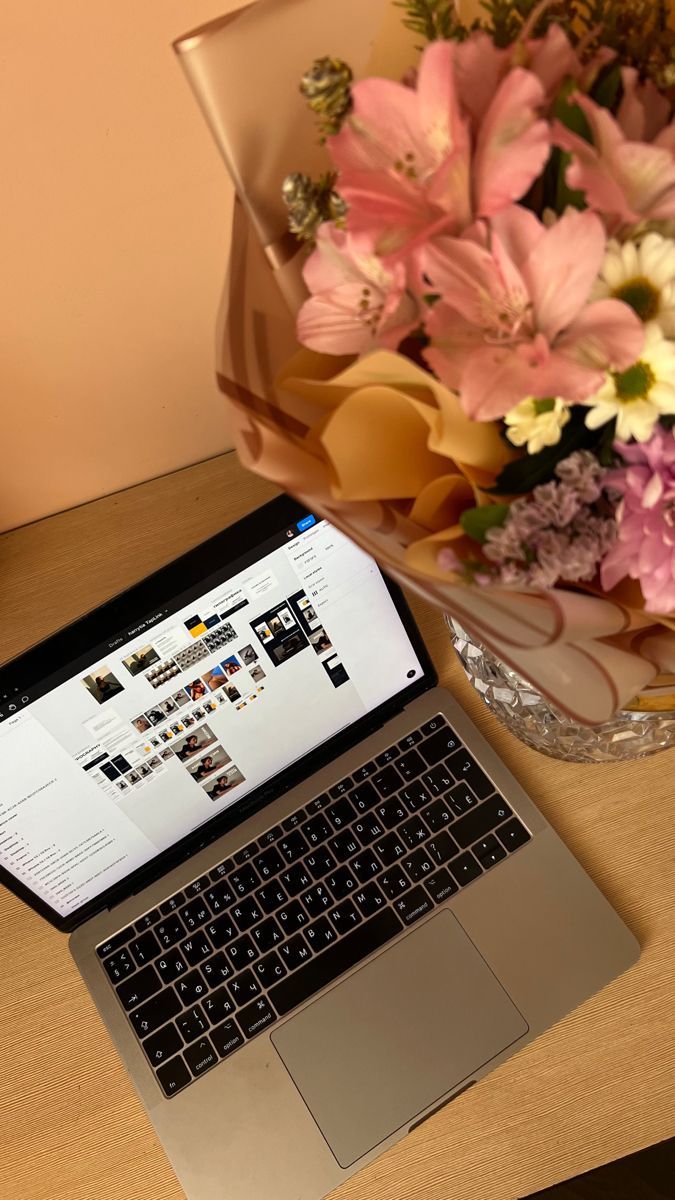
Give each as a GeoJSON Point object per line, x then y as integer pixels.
{"type": "Point", "coordinates": [378, 446]}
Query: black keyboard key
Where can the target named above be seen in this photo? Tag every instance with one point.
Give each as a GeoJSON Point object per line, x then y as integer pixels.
{"type": "Point", "coordinates": [119, 965]}
{"type": "Point", "coordinates": [295, 952]}
{"type": "Point", "coordinates": [435, 723]}
{"type": "Point", "coordinates": [344, 917]}
{"type": "Point", "coordinates": [369, 900]}
{"type": "Point", "coordinates": [438, 780]}
{"type": "Point", "coordinates": [200, 1057]}
{"type": "Point", "coordinates": [292, 846]}
{"type": "Point", "coordinates": [438, 814]}
{"type": "Point", "coordinates": [391, 813]}
{"type": "Point", "coordinates": [513, 834]}
{"type": "Point", "coordinates": [387, 781]}
{"type": "Point", "coordinates": [413, 905]}
{"type": "Point", "coordinates": [172, 904]}
{"type": "Point", "coordinates": [221, 931]}
{"type": "Point", "coordinates": [439, 745]}
{"type": "Point", "coordinates": [269, 898]}
{"type": "Point", "coordinates": [147, 921]}
{"type": "Point", "coordinates": [345, 953]}
{"type": "Point", "coordinates": [341, 883]}
{"type": "Point", "coordinates": [245, 854]}
{"type": "Point", "coordinates": [269, 969]}
{"type": "Point", "coordinates": [222, 870]}
{"type": "Point", "coordinates": [365, 866]}
{"type": "Point", "coordinates": [410, 740]}
{"type": "Point", "coordinates": [219, 897]}
{"type": "Point", "coordinates": [341, 788]}
{"type": "Point", "coordinates": [267, 935]}
{"type": "Point", "coordinates": [116, 942]}
{"type": "Point", "coordinates": [393, 882]}
{"type": "Point", "coordinates": [295, 879]}
{"type": "Point", "coordinates": [441, 885]}
{"type": "Point", "coordinates": [317, 899]}
{"type": "Point", "coordinates": [341, 813]}
{"type": "Point", "coordinates": [441, 848]}
{"type": "Point", "coordinates": [415, 795]}
{"type": "Point", "coordinates": [419, 864]}
{"type": "Point", "coordinates": [317, 804]}
{"type": "Point", "coordinates": [242, 952]}
{"type": "Point", "coordinates": [270, 836]}
{"type": "Point", "coordinates": [197, 886]}
{"type": "Point", "coordinates": [192, 1024]}
{"type": "Point", "coordinates": [163, 1045]}
{"type": "Point", "coordinates": [256, 1017]}
{"type": "Point", "coordinates": [227, 1038]}
{"type": "Point", "coordinates": [465, 868]}
{"type": "Point", "coordinates": [483, 819]}
{"type": "Point", "coordinates": [461, 799]}
{"type": "Point", "coordinates": [292, 917]}
{"type": "Point", "coordinates": [216, 970]}
{"type": "Point", "coordinates": [390, 848]}
{"type": "Point", "coordinates": [343, 845]}
{"type": "Point", "coordinates": [413, 832]}
{"type": "Point", "coordinates": [364, 797]}
{"type": "Point", "coordinates": [466, 770]}
{"type": "Point", "coordinates": [368, 828]}
{"type": "Point", "coordinates": [196, 949]}
{"type": "Point", "coordinates": [244, 880]}
{"type": "Point", "coordinates": [269, 863]}
{"type": "Point", "coordinates": [244, 986]}
{"type": "Point", "coordinates": [364, 772]}
{"type": "Point", "coordinates": [195, 914]}
{"type": "Point", "coordinates": [488, 851]}
{"type": "Point", "coordinates": [191, 988]}
{"type": "Point", "coordinates": [173, 1076]}
{"type": "Point", "coordinates": [155, 1012]}
{"type": "Point", "coordinates": [317, 830]}
{"type": "Point", "coordinates": [319, 862]}
{"type": "Point", "coordinates": [144, 948]}
{"type": "Point", "coordinates": [293, 821]}
{"type": "Point", "coordinates": [410, 765]}
{"type": "Point", "coordinates": [246, 913]}
{"type": "Point", "coordinates": [387, 756]}
{"type": "Point", "coordinates": [140, 987]}
{"type": "Point", "coordinates": [218, 1005]}
{"type": "Point", "coordinates": [170, 966]}
{"type": "Point", "coordinates": [169, 931]}
{"type": "Point", "coordinates": [320, 934]}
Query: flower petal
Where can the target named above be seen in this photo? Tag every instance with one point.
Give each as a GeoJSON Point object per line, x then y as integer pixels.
{"type": "Point", "coordinates": [643, 110]}
{"type": "Point", "coordinates": [513, 144]}
{"type": "Point", "coordinates": [479, 68]}
{"type": "Point", "coordinates": [562, 267]}
{"type": "Point", "coordinates": [476, 283]}
{"type": "Point", "coordinates": [381, 129]}
{"type": "Point", "coordinates": [495, 380]}
{"type": "Point", "coordinates": [592, 175]}
{"type": "Point", "coordinates": [605, 335]}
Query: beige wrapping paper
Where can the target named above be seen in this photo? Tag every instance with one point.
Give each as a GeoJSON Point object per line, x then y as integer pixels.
{"type": "Point", "coordinates": [589, 654]}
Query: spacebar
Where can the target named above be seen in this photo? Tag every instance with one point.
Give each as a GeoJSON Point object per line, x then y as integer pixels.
{"type": "Point", "coordinates": [326, 967]}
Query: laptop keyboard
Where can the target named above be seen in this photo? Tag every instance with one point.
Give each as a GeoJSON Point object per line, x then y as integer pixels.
{"type": "Point", "coordinates": [220, 961]}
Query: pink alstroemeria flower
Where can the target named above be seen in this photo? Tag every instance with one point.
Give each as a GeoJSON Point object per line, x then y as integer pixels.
{"type": "Point", "coordinates": [409, 166]}
{"type": "Point", "coordinates": [513, 319]}
{"type": "Point", "coordinates": [358, 302]}
{"type": "Point", "coordinates": [623, 177]}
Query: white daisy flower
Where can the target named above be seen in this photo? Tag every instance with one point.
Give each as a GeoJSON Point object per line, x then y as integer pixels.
{"type": "Point", "coordinates": [642, 274]}
{"type": "Point", "coordinates": [537, 423]}
{"type": "Point", "coordinates": [640, 395]}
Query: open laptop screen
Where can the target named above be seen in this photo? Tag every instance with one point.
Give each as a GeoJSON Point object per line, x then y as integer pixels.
{"type": "Point", "coordinates": [121, 753]}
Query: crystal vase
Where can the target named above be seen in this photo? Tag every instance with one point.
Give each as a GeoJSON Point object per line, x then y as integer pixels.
{"type": "Point", "coordinates": [632, 733]}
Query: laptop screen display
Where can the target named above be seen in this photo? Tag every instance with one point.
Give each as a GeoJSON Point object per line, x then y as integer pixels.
{"type": "Point", "coordinates": [118, 756]}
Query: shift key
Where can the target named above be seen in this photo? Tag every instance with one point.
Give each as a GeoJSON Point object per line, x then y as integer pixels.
{"type": "Point", "coordinates": [481, 820]}
{"type": "Point", "coordinates": [155, 1012]}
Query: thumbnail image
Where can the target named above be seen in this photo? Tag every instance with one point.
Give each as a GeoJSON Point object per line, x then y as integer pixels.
{"type": "Point", "coordinates": [168, 707]}
{"type": "Point", "coordinates": [304, 602]}
{"type": "Point", "coordinates": [177, 728]}
{"type": "Point", "coordinates": [166, 735]}
{"type": "Point", "coordinates": [309, 615]}
{"type": "Point", "coordinates": [133, 777]}
{"type": "Point", "coordinates": [210, 706]}
{"type": "Point", "coordinates": [155, 716]}
{"type": "Point", "coordinates": [196, 690]}
{"type": "Point", "coordinates": [286, 649]}
{"type": "Point", "coordinates": [231, 665]}
{"type": "Point", "coordinates": [247, 655]}
{"type": "Point", "coordinates": [154, 741]}
{"type": "Point", "coordinates": [335, 670]}
{"type": "Point", "coordinates": [102, 684]}
{"type": "Point", "coordinates": [166, 754]}
{"type": "Point", "coordinates": [188, 720]}
{"type": "Point", "coordinates": [193, 654]}
{"type": "Point", "coordinates": [140, 660]}
{"type": "Point", "coordinates": [285, 617]}
{"type": "Point", "coordinates": [224, 783]}
{"type": "Point", "coordinates": [232, 693]}
{"type": "Point", "coordinates": [121, 784]}
{"type": "Point", "coordinates": [276, 625]}
{"type": "Point", "coordinates": [180, 698]}
{"type": "Point", "coordinates": [215, 639]}
{"type": "Point", "coordinates": [214, 678]}
{"type": "Point", "coordinates": [256, 672]}
{"type": "Point", "coordinates": [144, 771]}
{"type": "Point", "coordinates": [240, 706]}
{"type": "Point", "coordinates": [198, 714]}
{"type": "Point", "coordinates": [154, 763]}
{"type": "Point", "coordinates": [320, 640]}
{"type": "Point", "coordinates": [121, 763]}
{"type": "Point", "coordinates": [263, 631]}
{"type": "Point", "coordinates": [141, 724]}
{"type": "Point", "coordinates": [194, 743]}
{"type": "Point", "coordinates": [162, 673]}
{"type": "Point", "coordinates": [215, 760]}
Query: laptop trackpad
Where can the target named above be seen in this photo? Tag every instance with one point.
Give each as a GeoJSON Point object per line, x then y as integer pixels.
{"type": "Point", "coordinates": [405, 1029]}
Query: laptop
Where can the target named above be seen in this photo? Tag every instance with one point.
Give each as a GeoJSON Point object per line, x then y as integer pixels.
{"type": "Point", "coordinates": [310, 903]}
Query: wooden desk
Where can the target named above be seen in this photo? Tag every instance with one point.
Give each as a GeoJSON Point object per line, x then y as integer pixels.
{"type": "Point", "coordinates": [597, 1086]}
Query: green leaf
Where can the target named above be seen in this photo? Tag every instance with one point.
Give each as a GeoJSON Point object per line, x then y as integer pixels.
{"type": "Point", "coordinates": [608, 86]}
{"type": "Point", "coordinates": [574, 119]}
{"type": "Point", "coordinates": [529, 471]}
{"type": "Point", "coordinates": [477, 521]}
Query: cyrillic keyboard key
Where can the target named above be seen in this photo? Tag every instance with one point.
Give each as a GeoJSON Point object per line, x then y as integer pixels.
{"type": "Point", "coordinates": [333, 962]}
{"type": "Point", "coordinates": [218, 1005]}
{"type": "Point", "coordinates": [192, 1024]}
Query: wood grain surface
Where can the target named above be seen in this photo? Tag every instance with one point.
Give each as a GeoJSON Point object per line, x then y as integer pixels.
{"type": "Point", "coordinates": [597, 1086]}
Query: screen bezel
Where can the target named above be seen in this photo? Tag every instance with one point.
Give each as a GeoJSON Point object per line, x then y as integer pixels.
{"type": "Point", "coordinates": [169, 581]}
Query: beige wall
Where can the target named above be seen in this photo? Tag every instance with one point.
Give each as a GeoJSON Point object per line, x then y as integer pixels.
{"type": "Point", "coordinates": [114, 225]}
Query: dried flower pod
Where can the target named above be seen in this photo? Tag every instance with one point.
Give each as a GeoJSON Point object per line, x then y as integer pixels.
{"type": "Point", "coordinates": [327, 89]}
{"type": "Point", "coordinates": [310, 203]}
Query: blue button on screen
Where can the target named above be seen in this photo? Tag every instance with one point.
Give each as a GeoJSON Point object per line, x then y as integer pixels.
{"type": "Point", "coordinates": [305, 523]}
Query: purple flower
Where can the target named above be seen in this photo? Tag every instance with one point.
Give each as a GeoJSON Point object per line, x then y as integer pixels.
{"type": "Point", "coordinates": [645, 549]}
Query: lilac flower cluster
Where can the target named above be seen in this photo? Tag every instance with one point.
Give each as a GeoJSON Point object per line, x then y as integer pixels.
{"type": "Point", "coordinates": [558, 534]}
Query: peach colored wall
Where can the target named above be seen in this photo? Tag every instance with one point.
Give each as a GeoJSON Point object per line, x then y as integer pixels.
{"type": "Point", "coordinates": [114, 228]}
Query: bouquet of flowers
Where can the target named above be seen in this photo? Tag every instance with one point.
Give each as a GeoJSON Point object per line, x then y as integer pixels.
{"type": "Point", "coordinates": [484, 390]}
